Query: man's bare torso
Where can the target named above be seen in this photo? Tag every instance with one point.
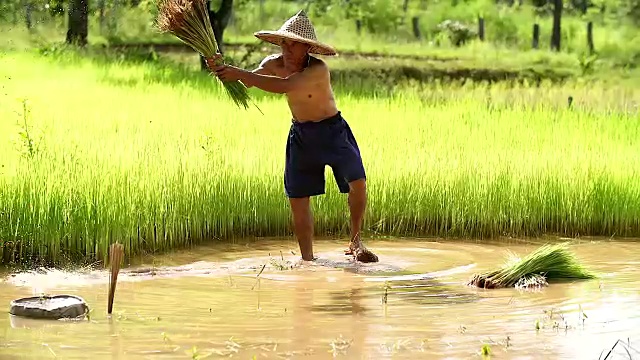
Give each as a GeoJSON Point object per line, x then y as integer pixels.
{"type": "Point", "coordinates": [312, 102]}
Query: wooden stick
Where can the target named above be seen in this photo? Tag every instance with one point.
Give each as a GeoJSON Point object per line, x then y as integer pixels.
{"type": "Point", "coordinates": [116, 254]}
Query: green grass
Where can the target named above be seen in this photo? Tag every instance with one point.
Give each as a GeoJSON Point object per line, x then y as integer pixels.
{"type": "Point", "coordinates": [157, 159]}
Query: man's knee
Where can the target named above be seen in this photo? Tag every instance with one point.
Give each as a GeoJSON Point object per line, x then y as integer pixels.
{"type": "Point", "coordinates": [300, 205]}
{"type": "Point", "coordinates": [301, 213]}
{"type": "Point", "coordinates": [358, 186]}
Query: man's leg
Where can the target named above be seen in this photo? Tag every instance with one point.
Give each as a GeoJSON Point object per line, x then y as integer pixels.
{"type": "Point", "coordinates": [300, 201]}
{"type": "Point", "coordinates": [303, 178]}
{"type": "Point", "coordinates": [357, 200]}
{"type": "Point", "coordinates": [303, 225]}
{"type": "Point", "coordinates": [350, 176]}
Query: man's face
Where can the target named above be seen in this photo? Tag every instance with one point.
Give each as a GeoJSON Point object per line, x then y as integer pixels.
{"type": "Point", "coordinates": [294, 49]}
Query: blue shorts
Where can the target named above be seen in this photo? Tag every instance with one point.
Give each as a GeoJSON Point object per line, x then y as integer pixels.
{"type": "Point", "coordinates": [313, 145]}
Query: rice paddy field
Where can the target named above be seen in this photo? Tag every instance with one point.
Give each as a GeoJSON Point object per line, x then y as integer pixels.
{"type": "Point", "coordinates": [476, 156]}
{"type": "Point", "coordinates": [97, 152]}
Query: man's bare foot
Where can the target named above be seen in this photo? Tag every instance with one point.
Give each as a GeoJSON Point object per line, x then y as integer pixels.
{"type": "Point", "coordinates": [350, 250]}
{"type": "Point", "coordinates": [360, 252]}
{"type": "Point", "coordinates": [354, 245]}
{"type": "Point", "coordinates": [366, 256]}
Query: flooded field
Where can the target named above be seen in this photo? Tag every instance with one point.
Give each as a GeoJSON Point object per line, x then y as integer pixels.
{"type": "Point", "coordinates": [210, 303]}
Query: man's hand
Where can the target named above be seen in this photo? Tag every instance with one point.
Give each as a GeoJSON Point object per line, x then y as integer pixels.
{"type": "Point", "coordinates": [211, 62]}
{"type": "Point", "coordinates": [229, 73]}
{"type": "Point", "coordinates": [224, 72]}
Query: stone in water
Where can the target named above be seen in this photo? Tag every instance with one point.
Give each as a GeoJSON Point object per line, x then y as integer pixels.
{"type": "Point", "coordinates": [50, 307]}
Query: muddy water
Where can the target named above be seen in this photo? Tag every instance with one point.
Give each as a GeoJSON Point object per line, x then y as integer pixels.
{"type": "Point", "coordinates": [211, 303]}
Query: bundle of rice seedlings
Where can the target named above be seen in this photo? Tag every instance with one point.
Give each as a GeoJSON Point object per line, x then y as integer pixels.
{"type": "Point", "coordinates": [188, 20]}
{"type": "Point", "coordinates": [548, 262]}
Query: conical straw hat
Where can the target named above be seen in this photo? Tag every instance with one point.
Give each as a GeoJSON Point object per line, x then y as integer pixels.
{"type": "Point", "coordinates": [297, 28]}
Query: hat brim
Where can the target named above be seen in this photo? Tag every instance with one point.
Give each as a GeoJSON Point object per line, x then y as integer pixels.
{"type": "Point", "coordinates": [276, 37]}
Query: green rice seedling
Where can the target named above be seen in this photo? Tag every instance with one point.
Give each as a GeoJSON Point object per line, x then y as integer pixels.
{"type": "Point", "coordinates": [550, 261]}
{"type": "Point", "coordinates": [281, 263]}
{"type": "Point", "coordinates": [485, 350]}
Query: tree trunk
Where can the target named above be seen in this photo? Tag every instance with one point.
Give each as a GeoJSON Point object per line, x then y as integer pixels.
{"type": "Point", "coordinates": [78, 22]}
{"type": "Point", "coordinates": [101, 7]}
{"type": "Point", "coordinates": [219, 21]}
{"type": "Point", "coordinates": [405, 8]}
{"type": "Point", "coordinates": [28, 12]}
{"type": "Point", "coordinates": [590, 45]}
{"type": "Point", "coordinates": [557, 19]}
{"type": "Point", "coordinates": [112, 17]}
{"type": "Point", "coordinates": [415, 24]}
{"type": "Point", "coordinates": [536, 36]}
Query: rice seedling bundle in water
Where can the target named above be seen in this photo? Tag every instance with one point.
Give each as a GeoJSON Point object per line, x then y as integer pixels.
{"type": "Point", "coordinates": [546, 262]}
{"type": "Point", "coordinates": [189, 21]}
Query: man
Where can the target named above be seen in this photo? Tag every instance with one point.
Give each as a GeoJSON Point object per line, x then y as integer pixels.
{"type": "Point", "coordinates": [319, 136]}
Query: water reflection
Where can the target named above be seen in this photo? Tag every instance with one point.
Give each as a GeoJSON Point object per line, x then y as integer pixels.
{"type": "Point", "coordinates": [342, 304]}
{"type": "Point", "coordinates": [302, 320]}
{"type": "Point", "coordinates": [115, 341]}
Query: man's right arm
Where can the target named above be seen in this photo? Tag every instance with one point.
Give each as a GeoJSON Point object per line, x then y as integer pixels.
{"type": "Point", "coordinates": [266, 65]}
{"type": "Point", "coordinates": [264, 68]}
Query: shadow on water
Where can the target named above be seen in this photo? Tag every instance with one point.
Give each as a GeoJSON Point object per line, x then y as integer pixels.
{"type": "Point", "coordinates": [431, 293]}
{"type": "Point", "coordinates": [427, 292]}
{"type": "Point", "coordinates": [342, 303]}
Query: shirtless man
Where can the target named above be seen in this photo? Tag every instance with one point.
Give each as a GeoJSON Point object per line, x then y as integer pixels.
{"type": "Point", "coordinates": [319, 136]}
